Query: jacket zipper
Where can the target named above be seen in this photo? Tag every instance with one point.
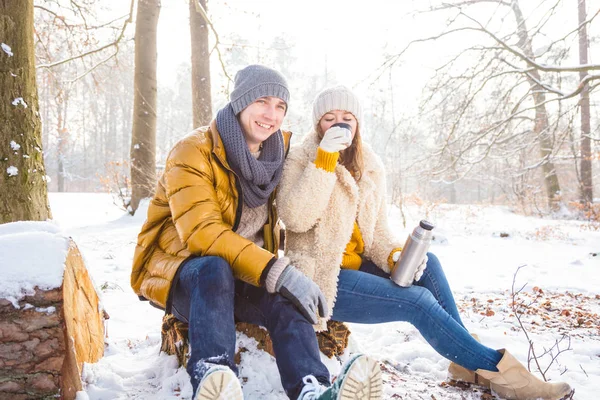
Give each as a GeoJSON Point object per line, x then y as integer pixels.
{"type": "Point", "coordinates": [238, 186]}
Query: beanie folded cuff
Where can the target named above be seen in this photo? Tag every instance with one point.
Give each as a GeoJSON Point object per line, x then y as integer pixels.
{"type": "Point", "coordinates": [258, 91]}
{"type": "Point", "coordinates": [336, 98]}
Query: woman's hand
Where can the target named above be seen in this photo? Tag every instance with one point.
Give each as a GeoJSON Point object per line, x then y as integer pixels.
{"type": "Point", "coordinates": [420, 269]}
{"type": "Point", "coordinates": [336, 139]}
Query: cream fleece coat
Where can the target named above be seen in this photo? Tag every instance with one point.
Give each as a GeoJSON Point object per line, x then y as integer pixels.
{"type": "Point", "coordinates": [319, 208]}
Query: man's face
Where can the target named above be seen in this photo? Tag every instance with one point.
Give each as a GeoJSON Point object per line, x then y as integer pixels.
{"type": "Point", "coordinates": [261, 119]}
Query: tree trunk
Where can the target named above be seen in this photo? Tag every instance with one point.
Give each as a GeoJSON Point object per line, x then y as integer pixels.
{"type": "Point", "coordinates": [587, 193]}
{"type": "Point", "coordinates": [84, 145]}
{"type": "Point", "coordinates": [143, 136]}
{"type": "Point", "coordinates": [201, 97]}
{"type": "Point", "coordinates": [541, 126]}
{"type": "Point", "coordinates": [125, 107]}
{"type": "Point", "coordinates": [61, 152]}
{"type": "Point", "coordinates": [111, 129]}
{"type": "Point", "coordinates": [22, 172]}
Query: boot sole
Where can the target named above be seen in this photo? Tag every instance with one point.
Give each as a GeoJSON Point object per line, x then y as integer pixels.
{"type": "Point", "coordinates": [459, 374]}
{"type": "Point", "coordinates": [220, 385]}
{"type": "Point", "coordinates": [363, 381]}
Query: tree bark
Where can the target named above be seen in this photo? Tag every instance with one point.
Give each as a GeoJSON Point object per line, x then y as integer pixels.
{"type": "Point", "coordinates": [22, 172]}
{"type": "Point", "coordinates": [587, 193]}
{"type": "Point", "coordinates": [201, 95]}
{"type": "Point", "coordinates": [143, 136]}
{"type": "Point", "coordinates": [541, 126]}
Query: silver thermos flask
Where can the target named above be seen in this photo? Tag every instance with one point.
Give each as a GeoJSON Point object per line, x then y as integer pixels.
{"type": "Point", "coordinates": [412, 254]}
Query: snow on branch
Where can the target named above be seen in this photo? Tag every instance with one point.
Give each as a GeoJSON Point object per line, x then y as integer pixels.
{"type": "Point", "coordinates": [525, 58]}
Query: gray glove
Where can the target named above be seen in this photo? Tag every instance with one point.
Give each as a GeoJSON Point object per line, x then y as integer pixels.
{"type": "Point", "coordinates": [303, 293]}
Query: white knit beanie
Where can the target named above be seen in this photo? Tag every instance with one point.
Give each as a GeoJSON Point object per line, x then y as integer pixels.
{"type": "Point", "coordinates": [336, 98]}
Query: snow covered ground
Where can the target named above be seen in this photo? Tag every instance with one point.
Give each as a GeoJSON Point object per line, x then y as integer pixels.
{"type": "Point", "coordinates": [480, 247]}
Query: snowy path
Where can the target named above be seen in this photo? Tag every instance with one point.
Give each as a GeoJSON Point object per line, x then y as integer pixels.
{"type": "Point", "coordinates": [480, 265]}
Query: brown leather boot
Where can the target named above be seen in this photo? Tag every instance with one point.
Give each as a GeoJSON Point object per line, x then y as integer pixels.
{"type": "Point", "coordinates": [459, 373]}
{"type": "Point", "coordinates": [514, 382]}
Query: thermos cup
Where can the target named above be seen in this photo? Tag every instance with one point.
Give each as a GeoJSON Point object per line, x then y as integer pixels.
{"type": "Point", "coordinates": [412, 254]}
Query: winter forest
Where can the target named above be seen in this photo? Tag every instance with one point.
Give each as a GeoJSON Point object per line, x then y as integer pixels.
{"type": "Point", "coordinates": [467, 102]}
{"type": "Point", "coordinates": [484, 112]}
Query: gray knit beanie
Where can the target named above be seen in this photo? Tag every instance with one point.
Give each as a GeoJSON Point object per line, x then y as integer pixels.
{"type": "Point", "coordinates": [257, 81]}
{"type": "Point", "coordinates": [336, 98]}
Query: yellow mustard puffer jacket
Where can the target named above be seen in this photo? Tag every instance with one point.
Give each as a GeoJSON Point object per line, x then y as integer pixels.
{"type": "Point", "coordinates": [195, 211]}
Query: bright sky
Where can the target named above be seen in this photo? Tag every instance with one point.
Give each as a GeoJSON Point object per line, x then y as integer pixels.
{"type": "Point", "coordinates": [346, 38]}
{"type": "Point", "coordinates": [343, 40]}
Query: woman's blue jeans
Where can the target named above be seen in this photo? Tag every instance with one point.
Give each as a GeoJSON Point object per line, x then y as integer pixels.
{"type": "Point", "coordinates": [211, 301]}
{"type": "Point", "coordinates": [368, 296]}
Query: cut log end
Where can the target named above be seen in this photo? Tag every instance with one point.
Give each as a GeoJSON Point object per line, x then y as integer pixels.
{"type": "Point", "coordinates": [45, 342]}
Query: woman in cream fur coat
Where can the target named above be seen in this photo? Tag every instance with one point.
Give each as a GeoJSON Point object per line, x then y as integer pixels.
{"type": "Point", "coordinates": [332, 200]}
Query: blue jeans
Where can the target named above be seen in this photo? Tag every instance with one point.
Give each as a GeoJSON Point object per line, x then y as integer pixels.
{"type": "Point", "coordinates": [368, 296]}
{"type": "Point", "coordinates": [211, 301]}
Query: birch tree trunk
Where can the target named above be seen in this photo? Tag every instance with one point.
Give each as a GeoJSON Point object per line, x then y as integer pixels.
{"type": "Point", "coordinates": [22, 173]}
{"type": "Point", "coordinates": [587, 193]}
{"type": "Point", "coordinates": [143, 136]}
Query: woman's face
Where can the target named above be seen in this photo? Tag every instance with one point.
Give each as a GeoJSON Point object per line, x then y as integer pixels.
{"type": "Point", "coordinates": [335, 116]}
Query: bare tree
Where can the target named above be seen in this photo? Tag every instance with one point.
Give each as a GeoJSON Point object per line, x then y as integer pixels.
{"type": "Point", "coordinates": [201, 95]}
{"type": "Point", "coordinates": [61, 99]}
{"type": "Point", "coordinates": [541, 126]}
{"type": "Point", "coordinates": [78, 99]}
{"type": "Point", "coordinates": [23, 176]}
{"type": "Point", "coordinates": [143, 137]}
{"type": "Point", "coordinates": [83, 12]}
{"type": "Point", "coordinates": [587, 194]}
{"type": "Point", "coordinates": [511, 97]}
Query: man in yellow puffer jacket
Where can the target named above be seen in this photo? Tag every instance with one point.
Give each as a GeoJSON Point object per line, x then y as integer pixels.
{"type": "Point", "coordinates": [207, 251]}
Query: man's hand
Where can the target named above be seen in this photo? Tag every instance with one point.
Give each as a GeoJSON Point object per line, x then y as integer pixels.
{"type": "Point", "coordinates": [303, 292]}
{"type": "Point", "coordinates": [336, 139]}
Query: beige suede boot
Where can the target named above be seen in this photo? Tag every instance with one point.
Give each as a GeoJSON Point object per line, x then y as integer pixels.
{"type": "Point", "coordinates": [514, 382]}
{"type": "Point", "coordinates": [459, 373]}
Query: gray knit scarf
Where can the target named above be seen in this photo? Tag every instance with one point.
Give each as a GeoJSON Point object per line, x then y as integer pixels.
{"type": "Point", "coordinates": [258, 177]}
